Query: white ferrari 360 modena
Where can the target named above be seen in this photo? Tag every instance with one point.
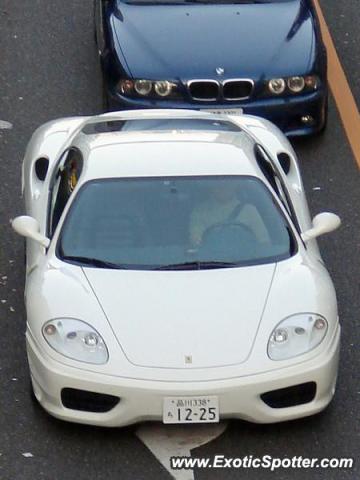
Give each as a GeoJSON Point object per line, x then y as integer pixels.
{"type": "Point", "coordinates": [172, 272]}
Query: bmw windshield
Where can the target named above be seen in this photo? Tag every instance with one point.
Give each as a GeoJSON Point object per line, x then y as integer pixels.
{"type": "Point", "coordinates": [222, 2]}
{"type": "Point", "coordinates": [175, 223]}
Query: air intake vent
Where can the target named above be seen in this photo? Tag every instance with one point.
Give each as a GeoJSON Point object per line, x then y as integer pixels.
{"type": "Point", "coordinates": [88, 401]}
{"type": "Point", "coordinates": [290, 396]}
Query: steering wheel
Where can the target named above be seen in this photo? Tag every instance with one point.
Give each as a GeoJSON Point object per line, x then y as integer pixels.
{"type": "Point", "coordinates": [241, 228]}
{"type": "Point", "coordinates": [229, 240]}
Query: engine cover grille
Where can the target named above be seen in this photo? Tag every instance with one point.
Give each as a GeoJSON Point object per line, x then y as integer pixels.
{"type": "Point", "coordinates": [213, 90]}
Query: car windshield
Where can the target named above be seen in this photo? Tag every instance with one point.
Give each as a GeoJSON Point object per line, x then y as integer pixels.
{"type": "Point", "coordinates": [175, 223]}
{"type": "Point", "coordinates": [159, 124]}
{"type": "Point", "coordinates": [215, 2]}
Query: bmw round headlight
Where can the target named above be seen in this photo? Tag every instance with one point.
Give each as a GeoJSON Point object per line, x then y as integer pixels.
{"type": "Point", "coordinates": [296, 84]}
{"type": "Point", "coordinates": [76, 339]}
{"type": "Point", "coordinates": [163, 88]}
{"type": "Point", "coordinates": [143, 87]}
{"type": "Point", "coordinates": [296, 335]}
{"type": "Point", "coordinates": [277, 86]}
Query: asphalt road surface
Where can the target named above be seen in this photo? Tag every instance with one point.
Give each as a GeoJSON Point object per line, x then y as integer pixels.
{"type": "Point", "coordinates": [49, 69]}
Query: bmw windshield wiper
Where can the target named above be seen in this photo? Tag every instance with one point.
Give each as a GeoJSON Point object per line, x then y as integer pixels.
{"type": "Point", "coordinates": [227, 1]}
{"type": "Point", "coordinates": [196, 265]}
{"type": "Point", "coordinates": [93, 262]}
{"type": "Point", "coordinates": [181, 2]}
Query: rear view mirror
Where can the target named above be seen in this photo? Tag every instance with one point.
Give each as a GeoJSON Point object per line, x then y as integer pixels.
{"type": "Point", "coordinates": [29, 227]}
{"type": "Point", "coordinates": [325, 222]}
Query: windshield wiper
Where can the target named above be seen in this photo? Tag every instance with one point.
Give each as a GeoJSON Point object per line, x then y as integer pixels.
{"type": "Point", "coordinates": [93, 262]}
{"type": "Point", "coordinates": [196, 265]}
{"type": "Point", "coordinates": [227, 1]}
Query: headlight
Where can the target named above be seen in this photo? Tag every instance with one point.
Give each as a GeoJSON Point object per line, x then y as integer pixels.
{"type": "Point", "coordinates": [296, 335]}
{"type": "Point", "coordinates": [75, 339]}
{"type": "Point", "coordinates": [296, 84]}
{"type": "Point", "coordinates": [293, 85]}
{"type": "Point", "coordinates": [277, 86]}
{"type": "Point", "coordinates": [163, 88]}
{"type": "Point", "coordinates": [148, 88]}
{"type": "Point", "coordinates": [143, 87]}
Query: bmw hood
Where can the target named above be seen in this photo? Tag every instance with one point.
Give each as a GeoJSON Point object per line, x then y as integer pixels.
{"type": "Point", "coordinates": [190, 41]}
{"type": "Point", "coordinates": [184, 319]}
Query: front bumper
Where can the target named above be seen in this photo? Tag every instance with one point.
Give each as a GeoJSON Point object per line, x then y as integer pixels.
{"type": "Point", "coordinates": [143, 400]}
{"type": "Point", "coordinates": [286, 113]}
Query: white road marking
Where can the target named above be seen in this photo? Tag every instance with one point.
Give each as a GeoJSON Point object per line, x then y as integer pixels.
{"type": "Point", "coordinates": [165, 441]}
{"type": "Point", "coordinates": [5, 125]}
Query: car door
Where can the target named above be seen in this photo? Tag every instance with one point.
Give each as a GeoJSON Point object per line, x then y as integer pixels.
{"type": "Point", "coordinates": [63, 184]}
{"type": "Point", "coordinates": [276, 182]}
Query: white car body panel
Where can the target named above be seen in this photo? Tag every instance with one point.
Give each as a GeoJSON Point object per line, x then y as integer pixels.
{"type": "Point", "coordinates": [222, 318]}
{"type": "Point", "coordinates": [44, 301]}
{"type": "Point", "coordinates": [136, 302]}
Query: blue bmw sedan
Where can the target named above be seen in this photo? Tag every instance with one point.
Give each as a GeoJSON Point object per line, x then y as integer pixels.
{"type": "Point", "coordinates": [260, 57]}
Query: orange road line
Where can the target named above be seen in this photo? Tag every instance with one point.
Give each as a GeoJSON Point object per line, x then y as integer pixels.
{"type": "Point", "coordinates": [341, 91]}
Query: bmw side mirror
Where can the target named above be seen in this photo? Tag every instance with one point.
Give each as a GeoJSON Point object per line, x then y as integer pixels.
{"type": "Point", "coordinates": [322, 223]}
{"type": "Point", "coordinates": [29, 227]}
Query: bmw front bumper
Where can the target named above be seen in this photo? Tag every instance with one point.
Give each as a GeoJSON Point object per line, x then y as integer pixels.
{"type": "Point", "coordinates": [296, 116]}
{"type": "Point", "coordinates": [142, 400]}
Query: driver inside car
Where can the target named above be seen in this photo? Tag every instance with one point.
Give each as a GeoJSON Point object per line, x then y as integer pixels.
{"type": "Point", "coordinates": [225, 205]}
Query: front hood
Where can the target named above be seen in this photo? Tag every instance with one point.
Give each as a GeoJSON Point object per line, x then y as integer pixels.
{"type": "Point", "coordinates": [191, 41]}
{"type": "Point", "coordinates": [184, 319]}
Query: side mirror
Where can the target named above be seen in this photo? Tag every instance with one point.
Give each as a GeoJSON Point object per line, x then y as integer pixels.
{"type": "Point", "coordinates": [29, 227]}
{"type": "Point", "coordinates": [322, 223]}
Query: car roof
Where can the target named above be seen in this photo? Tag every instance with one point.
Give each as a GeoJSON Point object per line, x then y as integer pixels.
{"type": "Point", "coordinates": [166, 153]}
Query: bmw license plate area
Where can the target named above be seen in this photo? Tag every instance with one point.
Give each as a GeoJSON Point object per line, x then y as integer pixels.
{"type": "Point", "coordinates": [191, 410]}
{"type": "Point", "coordinates": [226, 111]}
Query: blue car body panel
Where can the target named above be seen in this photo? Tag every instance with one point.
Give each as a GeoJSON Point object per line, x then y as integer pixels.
{"type": "Point", "coordinates": [182, 42]}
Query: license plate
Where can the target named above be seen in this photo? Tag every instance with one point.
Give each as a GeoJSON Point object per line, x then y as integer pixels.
{"type": "Point", "coordinates": [219, 111]}
{"type": "Point", "coordinates": [191, 410]}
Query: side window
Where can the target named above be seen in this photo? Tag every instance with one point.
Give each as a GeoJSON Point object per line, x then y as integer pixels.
{"type": "Point", "coordinates": [275, 180]}
{"type": "Point", "coordinates": [266, 168]}
{"type": "Point", "coordinates": [63, 185]}
{"type": "Point", "coordinates": [271, 176]}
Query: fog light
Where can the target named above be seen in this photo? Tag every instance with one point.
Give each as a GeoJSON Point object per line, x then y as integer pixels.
{"type": "Point", "coordinates": [307, 119]}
